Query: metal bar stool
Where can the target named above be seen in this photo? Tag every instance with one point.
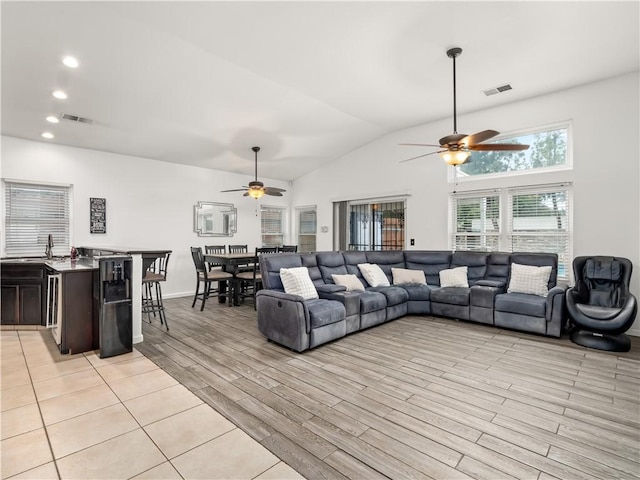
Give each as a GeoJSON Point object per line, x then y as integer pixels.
{"type": "Point", "coordinates": [151, 284]}
{"type": "Point", "coordinates": [248, 283]}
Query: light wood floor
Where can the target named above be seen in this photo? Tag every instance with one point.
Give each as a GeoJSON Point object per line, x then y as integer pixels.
{"type": "Point", "coordinates": [419, 397]}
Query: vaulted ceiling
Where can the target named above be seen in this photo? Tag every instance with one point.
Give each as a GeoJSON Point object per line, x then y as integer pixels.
{"type": "Point", "coordinates": [200, 83]}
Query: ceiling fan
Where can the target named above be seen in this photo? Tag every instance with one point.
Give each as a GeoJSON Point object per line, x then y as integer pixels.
{"type": "Point", "coordinates": [257, 189]}
{"type": "Point", "coordinates": [457, 147]}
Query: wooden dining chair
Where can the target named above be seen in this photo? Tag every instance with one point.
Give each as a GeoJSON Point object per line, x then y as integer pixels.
{"type": "Point", "coordinates": [248, 283]}
{"type": "Point", "coordinates": [288, 248]}
{"type": "Point", "coordinates": [214, 249]}
{"type": "Point", "coordinates": [208, 279]}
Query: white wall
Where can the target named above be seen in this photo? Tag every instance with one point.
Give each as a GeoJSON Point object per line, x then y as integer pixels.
{"type": "Point", "coordinates": [149, 203]}
{"type": "Point", "coordinates": [606, 174]}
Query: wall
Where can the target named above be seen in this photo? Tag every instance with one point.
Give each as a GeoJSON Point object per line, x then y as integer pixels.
{"type": "Point", "coordinates": [606, 173]}
{"type": "Point", "coordinates": [149, 203]}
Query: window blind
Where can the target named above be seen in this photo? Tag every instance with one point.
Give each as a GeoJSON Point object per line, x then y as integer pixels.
{"type": "Point", "coordinates": [476, 222]}
{"type": "Point", "coordinates": [539, 222]}
{"type": "Point", "coordinates": [32, 213]}
{"type": "Point", "coordinates": [272, 222]}
{"type": "Point", "coordinates": [307, 228]}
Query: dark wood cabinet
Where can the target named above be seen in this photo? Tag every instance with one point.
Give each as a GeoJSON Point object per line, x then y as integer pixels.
{"type": "Point", "coordinates": [23, 294]}
{"type": "Point", "coordinates": [79, 325]}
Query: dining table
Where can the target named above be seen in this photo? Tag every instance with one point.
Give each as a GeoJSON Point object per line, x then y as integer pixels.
{"type": "Point", "coordinates": [231, 263]}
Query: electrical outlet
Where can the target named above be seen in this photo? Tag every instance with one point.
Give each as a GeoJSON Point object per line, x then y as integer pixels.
{"type": "Point", "coordinates": [412, 241]}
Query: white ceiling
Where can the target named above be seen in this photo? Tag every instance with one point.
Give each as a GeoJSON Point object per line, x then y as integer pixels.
{"type": "Point", "coordinates": [200, 83]}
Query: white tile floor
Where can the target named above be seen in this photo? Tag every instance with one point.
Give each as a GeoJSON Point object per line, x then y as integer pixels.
{"type": "Point", "coordinates": [79, 416]}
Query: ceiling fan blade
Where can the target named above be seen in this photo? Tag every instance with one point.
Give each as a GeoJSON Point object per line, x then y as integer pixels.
{"type": "Point", "coordinates": [479, 137]}
{"type": "Point", "coordinates": [488, 147]}
{"type": "Point", "coordinates": [273, 194]}
{"type": "Point", "coordinates": [452, 139]}
{"type": "Point", "coordinates": [235, 190]}
{"type": "Point", "coordinates": [272, 190]}
{"type": "Point", "coordinates": [245, 194]}
{"type": "Point", "coordinates": [419, 144]}
{"type": "Point", "coordinates": [423, 155]}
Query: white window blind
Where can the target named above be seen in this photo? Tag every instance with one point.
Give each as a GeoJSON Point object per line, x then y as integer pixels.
{"type": "Point", "coordinates": [539, 222]}
{"type": "Point", "coordinates": [32, 213]}
{"type": "Point", "coordinates": [476, 221]}
{"type": "Point", "coordinates": [307, 228]}
{"type": "Point", "coordinates": [272, 226]}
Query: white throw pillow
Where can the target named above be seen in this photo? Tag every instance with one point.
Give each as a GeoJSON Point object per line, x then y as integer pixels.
{"type": "Point", "coordinates": [350, 281]}
{"type": "Point", "coordinates": [403, 276]}
{"type": "Point", "coordinates": [529, 279]}
{"type": "Point", "coordinates": [454, 277]}
{"type": "Point", "coordinates": [296, 281]}
{"type": "Point", "coordinates": [373, 274]}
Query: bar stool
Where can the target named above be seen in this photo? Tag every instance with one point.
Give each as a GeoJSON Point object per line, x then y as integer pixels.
{"type": "Point", "coordinates": [208, 277]}
{"type": "Point", "coordinates": [151, 282]}
{"type": "Point", "coordinates": [288, 248]}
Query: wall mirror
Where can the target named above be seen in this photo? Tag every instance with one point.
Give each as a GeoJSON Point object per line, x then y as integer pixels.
{"type": "Point", "coordinates": [212, 219]}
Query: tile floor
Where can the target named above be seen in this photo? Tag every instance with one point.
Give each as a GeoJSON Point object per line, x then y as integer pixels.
{"type": "Point", "coordinates": [79, 416]}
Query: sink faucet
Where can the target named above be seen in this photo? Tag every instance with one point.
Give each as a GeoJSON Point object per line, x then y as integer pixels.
{"type": "Point", "coordinates": [49, 250]}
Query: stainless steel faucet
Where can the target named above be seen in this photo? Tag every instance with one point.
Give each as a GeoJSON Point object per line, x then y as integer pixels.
{"type": "Point", "coordinates": [49, 250]}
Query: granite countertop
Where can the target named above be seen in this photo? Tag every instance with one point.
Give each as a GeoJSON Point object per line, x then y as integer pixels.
{"type": "Point", "coordinates": [59, 264]}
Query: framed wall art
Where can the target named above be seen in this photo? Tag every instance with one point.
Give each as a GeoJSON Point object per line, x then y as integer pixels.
{"type": "Point", "coordinates": [97, 215]}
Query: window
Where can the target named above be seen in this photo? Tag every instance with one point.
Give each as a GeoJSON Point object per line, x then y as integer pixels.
{"type": "Point", "coordinates": [306, 228]}
{"type": "Point", "coordinates": [476, 223]}
{"type": "Point", "coordinates": [531, 219]}
{"type": "Point", "coordinates": [272, 225]}
{"type": "Point", "coordinates": [539, 222]}
{"type": "Point", "coordinates": [547, 149]}
{"type": "Point", "coordinates": [376, 226]}
{"type": "Point", "coordinates": [32, 213]}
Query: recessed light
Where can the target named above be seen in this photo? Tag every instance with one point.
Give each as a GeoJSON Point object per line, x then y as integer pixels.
{"type": "Point", "coordinates": [53, 119]}
{"type": "Point", "coordinates": [48, 135]}
{"type": "Point", "coordinates": [59, 94]}
{"type": "Point", "coordinates": [70, 62]}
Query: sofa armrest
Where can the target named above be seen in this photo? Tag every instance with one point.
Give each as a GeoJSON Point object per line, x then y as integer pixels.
{"type": "Point", "coordinates": [330, 288]}
{"type": "Point", "coordinates": [350, 300]}
{"type": "Point", "coordinates": [484, 295]}
{"type": "Point", "coordinates": [492, 283]}
{"type": "Point", "coordinates": [555, 311]}
{"type": "Point", "coordinates": [283, 318]}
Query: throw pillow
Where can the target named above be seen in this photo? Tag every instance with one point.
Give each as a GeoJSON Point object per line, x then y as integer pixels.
{"type": "Point", "coordinates": [296, 281]}
{"type": "Point", "coordinates": [454, 277]}
{"type": "Point", "coordinates": [529, 279]}
{"type": "Point", "coordinates": [350, 281]}
{"type": "Point", "coordinates": [373, 274]}
{"type": "Point", "coordinates": [403, 276]}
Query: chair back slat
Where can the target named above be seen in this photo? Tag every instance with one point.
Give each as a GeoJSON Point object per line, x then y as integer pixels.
{"type": "Point", "coordinates": [288, 248]}
{"type": "Point", "coordinates": [213, 250]}
{"type": "Point", "coordinates": [238, 249]}
{"type": "Point", "coordinates": [198, 260]}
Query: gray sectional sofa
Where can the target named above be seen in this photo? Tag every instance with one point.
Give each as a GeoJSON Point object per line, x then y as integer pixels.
{"type": "Point", "coordinates": [300, 324]}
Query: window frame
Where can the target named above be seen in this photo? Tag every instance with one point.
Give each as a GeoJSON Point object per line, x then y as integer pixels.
{"type": "Point", "coordinates": [283, 225]}
{"type": "Point", "coordinates": [299, 212]}
{"type": "Point", "coordinates": [61, 230]}
{"type": "Point", "coordinates": [455, 175]}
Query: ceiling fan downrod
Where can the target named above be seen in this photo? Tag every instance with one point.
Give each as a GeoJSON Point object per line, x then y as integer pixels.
{"type": "Point", "coordinates": [453, 53]}
{"type": "Point", "coordinates": [256, 150]}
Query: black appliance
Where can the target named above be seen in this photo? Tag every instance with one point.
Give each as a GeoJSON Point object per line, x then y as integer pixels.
{"type": "Point", "coordinates": [113, 294]}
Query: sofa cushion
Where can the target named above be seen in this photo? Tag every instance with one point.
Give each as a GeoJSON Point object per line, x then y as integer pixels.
{"type": "Point", "coordinates": [394, 295]}
{"type": "Point", "coordinates": [296, 281]}
{"type": "Point", "coordinates": [454, 277]}
{"type": "Point", "coordinates": [451, 295]}
{"type": "Point", "coordinates": [417, 292]}
{"type": "Point", "coordinates": [521, 303]}
{"type": "Point", "coordinates": [325, 312]}
{"type": "Point", "coordinates": [372, 301]}
{"type": "Point", "coordinates": [529, 279]}
{"type": "Point", "coordinates": [373, 274]}
{"type": "Point", "coordinates": [404, 276]}
{"type": "Point", "coordinates": [352, 282]}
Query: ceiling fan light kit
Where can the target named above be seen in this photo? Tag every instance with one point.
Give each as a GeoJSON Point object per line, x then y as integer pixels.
{"type": "Point", "coordinates": [457, 147]}
{"type": "Point", "coordinates": [256, 189]}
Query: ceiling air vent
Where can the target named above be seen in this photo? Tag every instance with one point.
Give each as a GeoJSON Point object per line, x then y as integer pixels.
{"type": "Point", "coordinates": [500, 89]}
{"type": "Point", "coordinates": [75, 118]}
